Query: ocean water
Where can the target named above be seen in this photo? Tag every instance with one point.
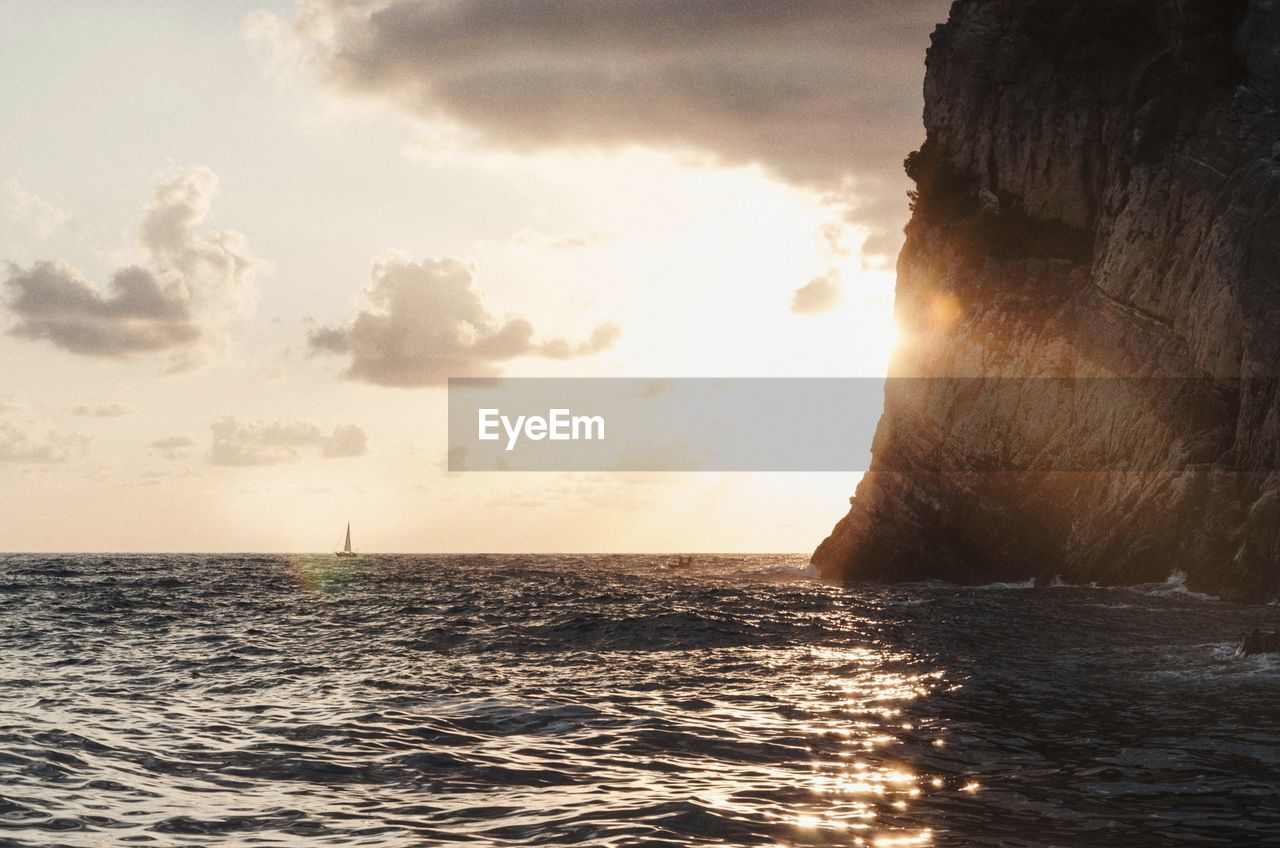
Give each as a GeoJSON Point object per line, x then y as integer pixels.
{"type": "Point", "coordinates": [609, 701]}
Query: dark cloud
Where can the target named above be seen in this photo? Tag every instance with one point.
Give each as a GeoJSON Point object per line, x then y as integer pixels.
{"type": "Point", "coordinates": [328, 340]}
{"type": "Point", "coordinates": [236, 443]}
{"type": "Point", "coordinates": [180, 304]}
{"type": "Point", "coordinates": [426, 322]}
{"type": "Point", "coordinates": [53, 302]}
{"type": "Point", "coordinates": [823, 93]}
{"type": "Point", "coordinates": [819, 295]}
{"type": "Point", "coordinates": [19, 446]}
{"type": "Point", "coordinates": [173, 446]}
{"type": "Point", "coordinates": [107, 410]}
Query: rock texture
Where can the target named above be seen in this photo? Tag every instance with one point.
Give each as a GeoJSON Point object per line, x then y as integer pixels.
{"type": "Point", "coordinates": [1256, 642]}
{"type": "Point", "coordinates": [1098, 196]}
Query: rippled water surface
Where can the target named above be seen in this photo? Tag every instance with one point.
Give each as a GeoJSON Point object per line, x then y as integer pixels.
{"type": "Point", "coordinates": [508, 700]}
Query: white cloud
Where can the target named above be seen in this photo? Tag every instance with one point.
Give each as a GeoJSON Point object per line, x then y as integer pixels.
{"type": "Point", "coordinates": [20, 207]}
{"type": "Point", "coordinates": [426, 322]}
{"type": "Point", "coordinates": [180, 305]}
{"type": "Point", "coordinates": [821, 294]}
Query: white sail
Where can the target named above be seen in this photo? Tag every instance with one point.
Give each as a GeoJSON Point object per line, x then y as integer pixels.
{"type": "Point", "coordinates": [346, 544]}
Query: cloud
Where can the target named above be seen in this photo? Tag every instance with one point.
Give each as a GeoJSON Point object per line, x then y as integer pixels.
{"type": "Point", "coordinates": [10, 403]}
{"type": "Point", "coordinates": [173, 443]}
{"type": "Point", "coordinates": [156, 477]}
{"type": "Point", "coordinates": [426, 322]}
{"type": "Point", "coordinates": [242, 444]}
{"type": "Point", "coordinates": [54, 302]}
{"type": "Point", "coordinates": [579, 241]}
{"type": "Point", "coordinates": [602, 338]}
{"type": "Point", "coordinates": [454, 461]}
{"type": "Point", "coordinates": [821, 294]}
{"type": "Point", "coordinates": [822, 93]}
{"type": "Point", "coordinates": [180, 305]}
{"type": "Point", "coordinates": [267, 28]}
{"type": "Point", "coordinates": [570, 241]}
{"type": "Point", "coordinates": [328, 340]}
{"type": "Point", "coordinates": [347, 440]}
{"type": "Point", "coordinates": [21, 207]}
{"type": "Point", "coordinates": [173, 447]}
{"type": "Point", "coordinates": [18, 446]}
{"type": "Point", "coordinates": [108, 410]}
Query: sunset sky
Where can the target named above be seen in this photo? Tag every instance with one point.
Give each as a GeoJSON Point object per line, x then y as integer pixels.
{"type": "Point", "coordinates": [245, 244]}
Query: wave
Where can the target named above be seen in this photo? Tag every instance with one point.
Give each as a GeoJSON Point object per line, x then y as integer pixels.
{"type": "Point", "coordinates": [1216, 661]}
{"type": "Point", "coordinates": [1030, 583]}
{"type": "Point", "coordinates": [1174, 585]}
{"type": "Point", "coordinates": [517, 700]}
{"type": "Point", "coordinates": [771, 570]}
{"type": "Point", "coordinates": [784, 571]}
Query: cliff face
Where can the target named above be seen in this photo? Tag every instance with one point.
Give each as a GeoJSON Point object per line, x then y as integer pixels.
{"type": "Point", "coordinates": [1098, 196]}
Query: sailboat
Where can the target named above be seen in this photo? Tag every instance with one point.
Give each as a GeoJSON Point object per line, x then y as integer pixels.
{"type": "Point", "coordinates": [346, 545]}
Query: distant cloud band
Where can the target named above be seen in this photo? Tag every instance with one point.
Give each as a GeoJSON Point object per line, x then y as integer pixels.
{"type": "Point", "coordinates": [245, 444]}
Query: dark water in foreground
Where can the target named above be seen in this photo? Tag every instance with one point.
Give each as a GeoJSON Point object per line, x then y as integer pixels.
{"type": "Point", "coordinates": [259, 700]}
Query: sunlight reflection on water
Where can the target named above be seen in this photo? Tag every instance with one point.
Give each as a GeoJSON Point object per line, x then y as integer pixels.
{"type": "Point", "coordinates": [858, 787]}
{"type": "Point", "coordinates": [605, 701]}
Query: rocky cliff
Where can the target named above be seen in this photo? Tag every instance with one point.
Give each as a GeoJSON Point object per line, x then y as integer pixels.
{"type": "Point", "coordinates": [1098, 197]}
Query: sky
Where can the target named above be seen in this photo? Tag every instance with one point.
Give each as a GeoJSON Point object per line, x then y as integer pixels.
{"type": "Point", "coordinates": [243, 245]}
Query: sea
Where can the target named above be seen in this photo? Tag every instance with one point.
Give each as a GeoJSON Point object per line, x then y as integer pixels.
{"type": "Point", "coordinates": [510, 700]}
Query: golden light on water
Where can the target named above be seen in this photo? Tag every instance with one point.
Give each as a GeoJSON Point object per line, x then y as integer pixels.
{"type": "Point", "coordinates": [924, 837]}
{"type": "Point", "coordinates": [861, 793]}
{"type": "Point", "coordinates": [323, 575]}
{"type": "Point", "coordinates": [857, 716]}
